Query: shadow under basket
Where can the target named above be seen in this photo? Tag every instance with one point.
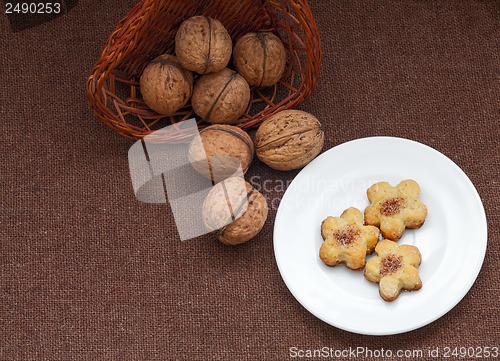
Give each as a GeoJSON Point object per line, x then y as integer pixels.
{"type": "Point", "coordinates": [149, 29]}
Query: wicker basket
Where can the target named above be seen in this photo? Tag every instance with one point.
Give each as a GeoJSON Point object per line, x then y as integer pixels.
{"type": "Point", "coordinates": [149, 29]}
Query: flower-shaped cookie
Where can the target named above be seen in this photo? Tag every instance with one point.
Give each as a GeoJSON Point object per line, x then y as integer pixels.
{"type": "Point", "coordinates": [347, 240]}
{"type": "Point", "coordinates": [394, 268]}
{"type": "Point", "coordinates": [393, 209]}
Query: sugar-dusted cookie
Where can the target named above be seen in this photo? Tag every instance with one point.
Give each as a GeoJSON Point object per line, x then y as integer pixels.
{"type": "Point", "coordinates": [347, 240]}
{"type": "Point", "coordinates": [394, 268]}
{"type": "Point", "coordinates": [393, 209]}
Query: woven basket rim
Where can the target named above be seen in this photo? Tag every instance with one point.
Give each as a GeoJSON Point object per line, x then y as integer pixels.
{"type": "Point", "coordinates": [112, 110]}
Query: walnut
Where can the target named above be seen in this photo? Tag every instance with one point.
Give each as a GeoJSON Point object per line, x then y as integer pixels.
{"type": "Point", "coordinates": [235, 211]}
{"type": "Point", "coordinates": [289, 140]}
{"type": "Point", "coordinates": [219, 150]}
{"type": "Point", "coordinates": [221, 97]}
{"type": "Point", "coordinates": [165, 85]}
{"type": "Point", "coordinates": [260, 58]}
{"type": "Point", "coordinates": [203, 45]}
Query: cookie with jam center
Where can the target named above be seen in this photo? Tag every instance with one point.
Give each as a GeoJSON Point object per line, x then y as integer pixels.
{"type": "Point", "coordinates": [395, 268]}
{"type": "Point", "coordinates": [347, 240]}
{"type": "Point", "coordinates": [394, 209]}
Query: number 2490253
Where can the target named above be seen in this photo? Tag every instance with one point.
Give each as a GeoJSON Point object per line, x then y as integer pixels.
{"type": "Point", "coordinates": [32, 8]}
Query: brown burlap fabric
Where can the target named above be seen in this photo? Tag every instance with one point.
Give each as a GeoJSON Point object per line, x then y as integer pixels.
{"type": "Point", "coordinates": [89, 273]}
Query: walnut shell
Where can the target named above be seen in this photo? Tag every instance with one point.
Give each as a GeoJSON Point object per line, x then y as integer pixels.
{"type": "Point", "coordinates": [203, 45]}
{"type": "Point", "coordinates": [220, 150]}
{"type": "Point", "coordinates": [165, 85]}
{"type": "Point", "coordinates": [240, 222]}
{"type": "Point", "coordinates": [289, 140]}
{"type": "Point", "coordinates": [221, 97]}
{"type": "Point", "coordinates": [260, 58]}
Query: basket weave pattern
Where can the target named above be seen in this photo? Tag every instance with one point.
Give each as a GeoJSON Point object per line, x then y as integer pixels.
{"type": "Point", "coordinates": [149, 29]}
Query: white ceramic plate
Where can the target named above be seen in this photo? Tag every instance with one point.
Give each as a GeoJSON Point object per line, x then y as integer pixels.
{"type": "Point", "coordinates": [452, 240]}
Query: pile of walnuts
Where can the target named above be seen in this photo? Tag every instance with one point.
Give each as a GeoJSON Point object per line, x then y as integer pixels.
{"type": "Point", "coordinates": [220, 95]}
{"type": "Point", "coordinates": [233, 210]}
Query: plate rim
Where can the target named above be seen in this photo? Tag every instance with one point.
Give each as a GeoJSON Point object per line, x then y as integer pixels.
{"type": "Point", "coordinates": [454, 301]}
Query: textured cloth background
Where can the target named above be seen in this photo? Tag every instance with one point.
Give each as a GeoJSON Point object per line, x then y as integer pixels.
{"type": "Point", "coordinates": [89, 273]}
